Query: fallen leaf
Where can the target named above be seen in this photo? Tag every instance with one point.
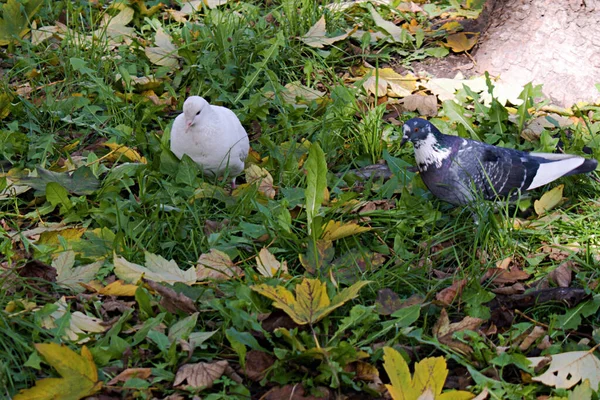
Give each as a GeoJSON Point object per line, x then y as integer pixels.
{"type": "Point", "coordinates": [446, 296]}
{"type": "Point", "coordinates": [267, 265]}
{"type": "Point", "coordinates": [568, 369]}
{"type": "Point", "coordinates": [502, 276]}
{"type": "Point", "coordinates": [193, 5]}
{"type": "Point", "coordinates": [39, 35]}
{"type": "Point", "coordinates": [165, 52]}
{"type": "Point", "coordinates": [425, 104]}
{"type": "Point", "coordinates": [157, 269]}
{"type": "Point", "coordinates": [549, 200]}
{"type": "Point", "coordinates": [295, 392]}
{"type": "Point", "coordinates": [80, 325]}
{"type": "Point", "coordinates": [118, 288]}
{"type": "Point", "coordinates": [461, 41]}
{"type": "Point", "coordinates": [70, 277]}
{"type": "Point", "coordinates": [334, 230]}
{"type": "Point", "coordinates": [256, 174]}
{"type": "Point", "coordinates": [14, 23]}
{"type": "Point", "coordinates": [171, 300]}
{"type": "Point", "coordinates": [125, 375]}
{"type": "Point", "coordinates": [561, 276]}
{"type": "Point", "coordinates": [257, 363]}
{"type": "Point", "coordinates": [427, 382]}
{"type": "Point", "coordinates": [78, 372]}
{"type": "Point", "coordinates": [120, 150]}
{"type": "Point", "coordinates": [317, 35]}
{"type": "Point", "coordinates": [203, 375]}
{"type": "Point", "coordinates": [216, 265]}
{"type": "Point", "coordinates": [311, 303]}
{"type": "Point", "coordinates": [390, 28]}
{"type": "Point", "coordinates": [387, 302]}
{"type": "Point", "coordinates": [536, 333]}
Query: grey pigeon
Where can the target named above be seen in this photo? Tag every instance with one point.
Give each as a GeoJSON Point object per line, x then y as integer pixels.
{"type": "Point", "coordinates": [212, 136]}
{"type": "Point", "coordinates": [460, 170]}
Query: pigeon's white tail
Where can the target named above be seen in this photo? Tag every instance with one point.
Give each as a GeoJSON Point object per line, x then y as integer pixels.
{"type": "Point", "coordinates": [554, 169]}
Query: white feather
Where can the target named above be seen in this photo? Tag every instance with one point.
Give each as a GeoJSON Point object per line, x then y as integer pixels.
{"type": "Point", "coordinates": [428, 152]}
{"type": "Point", "coordinates": [551, 171]}
{"type": "Point", "coordinates": [214, 138]}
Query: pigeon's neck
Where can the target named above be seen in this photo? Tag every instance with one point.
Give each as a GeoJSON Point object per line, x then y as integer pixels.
{"type": "Point", "coordinates": [431, 152]}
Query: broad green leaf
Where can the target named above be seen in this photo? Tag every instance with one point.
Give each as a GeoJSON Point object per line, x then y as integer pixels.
{"type": "Point", "coordinates": [80, 182]}
{"type": "Point", "coordinates": [549, 200]}
{"type": "Point", "coordinates": [56, 194]}
{"type": "Point", "coordinates": [572, 318]}
{"type": "Point", "coordinates": [79, 375]}
{"type": "Point", "coordinates": [316, 183]}
{"type": "Point", "coordinates": [457, 114]}
{"type": "Point", "coordinates": [523, 112]}
{"type": "Point", "coordinates": [183, 328]}
{"type": "Point", "coordinates": [311, 303]}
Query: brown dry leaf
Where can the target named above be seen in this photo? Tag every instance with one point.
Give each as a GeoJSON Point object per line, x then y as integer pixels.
{"type": "Point", "coordinates": [549, 200]}
{"type": "Point", "coordinates": [502, 276]}
{"type": "Point", "coordinates": [462, 41]}
{"type": "Point", "coordinates": [257, 363]}
{"type": "Point", "coordinates": [503, 264]}
{"type": "Point", "coordinates": [194, 5]}
{"type": "Point", "coordinates": [171, 300]}
{"type": "Point", "coordinates": [387, 302]}
{"type": "Point", "coordinates": [536, 333]}
{"type": "Point", "coordinates": [444, 330]}
{"type": "Point", "coordinates": [257, 174]}
{"type": "Point", "coordinates": [446, 296]}
{"type": "Point", "coordinates": [165, 52]}
{"type": "Point", "coordinates": [517, 288]}
{"type": "Point", "coordinates": [425, 104]}
{"type": "Point", "coordinates": [124, 376]}
{"type": "Point", "coordinates": [216, 265]}
{"type": "Point", "coordinates": [561, 276]}
{"type": "Point", "coordinates": [317, 35]}
{"type": "Point", "coordinates": [387, 82]}
{"type": "Point", "coordinates": [294, 392]}
{"type": "Point", "coordinates": [203, 375]}
{"type": "Point", "coordinates": [177, 15]}
{"type": "Point", "coordinates": [267, 265]}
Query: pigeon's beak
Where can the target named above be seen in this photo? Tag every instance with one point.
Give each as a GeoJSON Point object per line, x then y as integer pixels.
{"type": "Point", "coordinates": [188, 124]}
{"type": "Point", "coordinates": [404, 140]}
{"type": "Point", "coordinates": [405, 131]}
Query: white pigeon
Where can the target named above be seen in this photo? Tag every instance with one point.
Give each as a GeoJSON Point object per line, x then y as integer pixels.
{"type": "Point", "coordinates": [212, 136]}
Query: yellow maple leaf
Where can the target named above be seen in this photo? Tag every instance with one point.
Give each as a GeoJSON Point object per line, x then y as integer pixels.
{"type": "Point", "coordinates": [311, 303]}
{"type": "Point", "coordinates": [549, 200]}
{"type": "Point", "coordinates": [334, 230]}
{"type": "Point", "coordinates": [79, 375]}
{"type": "Point", "coordinates": [427, 381]}
{"type": "Point", "coordinates": [460, 42]}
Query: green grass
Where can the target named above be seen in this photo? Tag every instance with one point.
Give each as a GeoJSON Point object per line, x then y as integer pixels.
{"type": "Point", "coordinates": [242, 55]}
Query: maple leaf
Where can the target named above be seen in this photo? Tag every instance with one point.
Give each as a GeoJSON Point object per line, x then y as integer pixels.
{"type": "Point", "coordinates": [216, 265]}
{"type": "Point", "coordinates": [335, 230]}
{"type": "Point", "coordinates": [79, 375]}
{"type": "Point", "coordinates": [256, 174]}
{"type": "Point", "coordinates": [165, 52]}
{"type": "Point", "coordinates": [267, 265]}
{"type": "Point", "coordinates": [317, 35]}
{"type": "Point", "coordinates": [567, 369]}
{"type": "Point", "coordinates": [311, 303]}
{"type": "Point", "coordinates": [70, 277]}
{"type": "Point", "coordinates": [157, 269]}
{"type": "Point", "coordinates": [426, 383]}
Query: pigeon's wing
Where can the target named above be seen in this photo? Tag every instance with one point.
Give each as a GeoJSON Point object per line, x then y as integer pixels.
{"type": "Point", "coordinates": [179, 142]}
{"type": "Point", "coordinates": [553, 166]}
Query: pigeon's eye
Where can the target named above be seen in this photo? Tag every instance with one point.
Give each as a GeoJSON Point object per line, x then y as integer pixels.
{"type": "Point", "coordinates": [416, 129]}
{"type": "Point", "coordinates": [198, 113]}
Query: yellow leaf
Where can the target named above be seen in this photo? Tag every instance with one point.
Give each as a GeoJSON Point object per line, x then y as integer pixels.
{"type": "Point", "coordinates": [79, 375]}
{"type": "Point", "coordinates": [267, 265]}
{"type": "Point", "coordinates": [254, 173]}
{"type": "Point", "coordinates": [311, 303]}
{"type": "Point", "coordinates": [426, 383]}
{"type": "Point", "coordinates": [460, 42]}
{"type": "Point", "coordinates": [317, 35]}
{"type": "Point", "coordinates": [549, 200]}
{"type": "Point", "coordinates": [68, 276]}
{"type": "Point", "coordinates": [118, 288]}
{"type": "Point", "coordinates": [335, 230]}
{"type": "Point", "coordinates": [120, 150]}
{"type": "Point", "coordinates": [567, 369]}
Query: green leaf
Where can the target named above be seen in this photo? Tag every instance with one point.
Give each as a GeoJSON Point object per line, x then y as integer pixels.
{"type": "Point", "coordinates": [457, 114]}
{"type": "Point", "coordinates": [316, 168]}
{"type": "Point", "coordinates": [14, 24]}
{"type": "Point", "coordinates": [79, 182]}
{"type": "Point", "coordinates": [522, 111]}
{"type": "Point", "coordinates": [183, 328]}
{"type": "Point", "coordinates": [56, 194]}
{"type": "Point", "coordinates": [437, 52]}
{"type": "Point", "coordinates": [572, 318]}
{"type": "Point", "coordinates": [406, 316]}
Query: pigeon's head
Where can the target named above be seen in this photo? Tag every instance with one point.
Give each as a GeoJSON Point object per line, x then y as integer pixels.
{"type": "Point", "coordinates": [416, 130]}
{"type": "Point", "coordinates": [192, 109]}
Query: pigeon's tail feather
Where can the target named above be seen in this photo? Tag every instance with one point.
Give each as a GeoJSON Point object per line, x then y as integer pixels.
{"type": "Point", "coordinates": [588, 165]}
{"type": "Point", "coordinates": [552, 169]}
